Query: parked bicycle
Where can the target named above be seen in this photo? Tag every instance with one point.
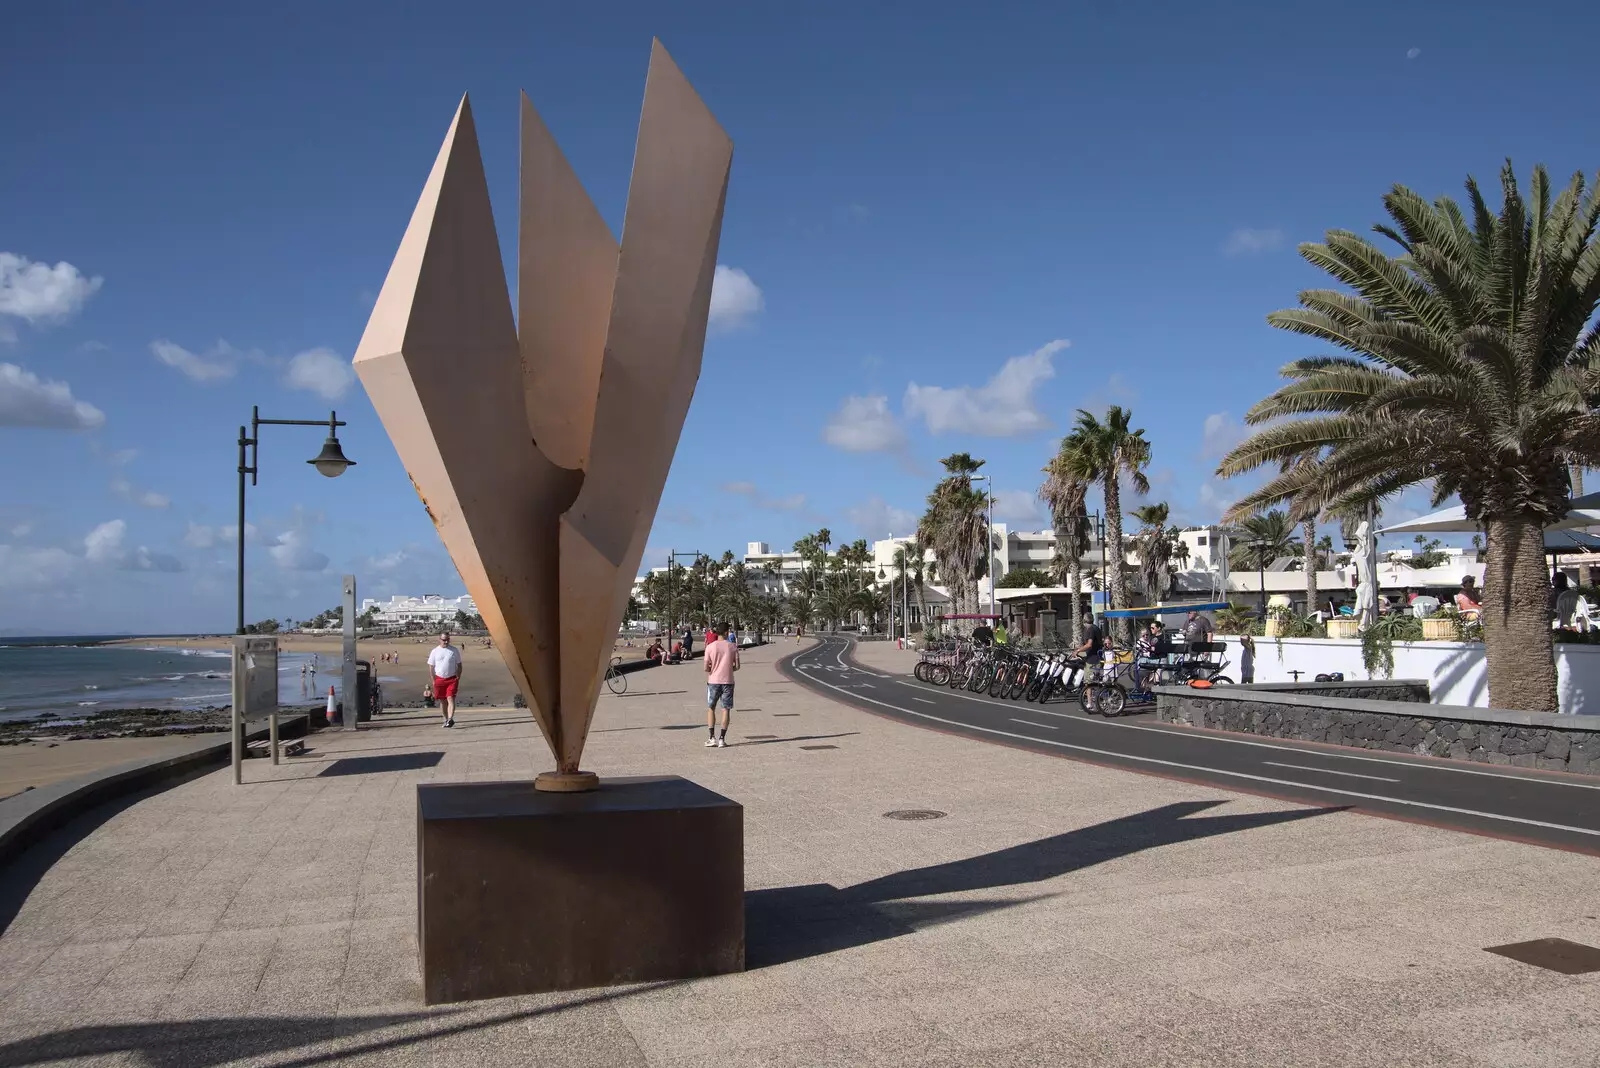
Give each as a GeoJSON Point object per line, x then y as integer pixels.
{"type": "Point", "coordinates": [616, 681]}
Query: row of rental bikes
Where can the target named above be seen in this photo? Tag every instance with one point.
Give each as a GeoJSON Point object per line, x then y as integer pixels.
{"type": "Point", "coordinates": [1056, 675]}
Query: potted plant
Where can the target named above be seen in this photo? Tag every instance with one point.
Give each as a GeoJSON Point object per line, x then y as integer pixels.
{"type": "Point", "coordinates": [1344, 627]}
{"type": "Point", "coordinates": [1444, 625]}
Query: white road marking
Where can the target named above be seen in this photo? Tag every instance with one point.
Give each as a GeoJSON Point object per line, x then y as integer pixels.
{"type": "Point", "coordinates": [1218, 771]}
{"type": "Point", "coordinates": [924, 700]}
{"type": "Point", "coordinates": [865, 686]}
{"type": "Point", "coordinates": [1328, 771]}
{"type": "Point", "coordinates": [1030, 723]}
{"type": "Point", "coordinates": [1287, 745]}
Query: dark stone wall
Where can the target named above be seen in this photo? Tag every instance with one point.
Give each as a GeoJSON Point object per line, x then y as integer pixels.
{"type": "Point", "coordinates": [1376, 690]}
{"type": "Point", "coordinates": [1545, 748]}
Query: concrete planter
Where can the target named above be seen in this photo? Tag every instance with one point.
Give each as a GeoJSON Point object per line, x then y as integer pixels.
{"type": "Point", "coordinates": [1274, 628]}
{"type": "Point", "coordinates": [1345, 628]}
{"type": "Point", "coordinates": [1438, 630]}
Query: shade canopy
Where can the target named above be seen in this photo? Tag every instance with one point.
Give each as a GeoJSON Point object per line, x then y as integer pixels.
{"type": "Point", "coordinates": [1582, 511]}
{"type": "Point", "coordinates": [1165, 609]}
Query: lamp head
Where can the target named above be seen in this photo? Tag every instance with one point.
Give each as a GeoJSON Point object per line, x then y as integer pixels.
{"type": "Point", "coordinates": [331, 461]}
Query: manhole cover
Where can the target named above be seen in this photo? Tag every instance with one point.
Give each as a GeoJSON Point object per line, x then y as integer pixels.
{"type": "Point", "coordinates": [819, 747]}
{"type": "Point", "coordinates": [915, 814]}
{"type": "Point", "coordinates": [1557, 954]}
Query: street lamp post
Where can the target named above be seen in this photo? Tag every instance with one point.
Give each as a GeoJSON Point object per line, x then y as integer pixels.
{"type": "Point", "coordinates": [330, 462]}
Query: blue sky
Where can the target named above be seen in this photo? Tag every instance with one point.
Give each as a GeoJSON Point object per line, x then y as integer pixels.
{"type": "Point", "coordinates": [952, 227]}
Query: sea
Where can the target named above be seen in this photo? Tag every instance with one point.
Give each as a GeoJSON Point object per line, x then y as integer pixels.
{"type": "Point", "coordinates": [79, 675]}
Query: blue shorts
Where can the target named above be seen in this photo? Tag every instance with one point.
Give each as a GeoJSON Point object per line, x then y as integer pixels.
{"type": "Point", "coordinates": [719, 691]}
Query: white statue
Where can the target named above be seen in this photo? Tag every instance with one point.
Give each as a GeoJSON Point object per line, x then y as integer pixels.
{"type": "Point", "coordinates": [1366, 581]}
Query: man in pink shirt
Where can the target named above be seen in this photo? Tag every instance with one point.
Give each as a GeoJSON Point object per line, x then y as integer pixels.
{"type": "Point", "coordinates": [722, 660]}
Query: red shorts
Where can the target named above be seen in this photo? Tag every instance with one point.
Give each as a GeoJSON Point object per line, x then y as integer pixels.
{"type": "Point", "coordinates": [443, 688]}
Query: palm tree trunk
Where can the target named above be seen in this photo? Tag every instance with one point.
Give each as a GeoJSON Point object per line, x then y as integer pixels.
{"type": "Point", "coordinates": [1075, 577]}
{"type": "Point", "coordinates": [1119, 583]}
{"type": "Point", "coordinates": [1308, 560]}
{"type": "Point", "coordinates": [1516, 618]}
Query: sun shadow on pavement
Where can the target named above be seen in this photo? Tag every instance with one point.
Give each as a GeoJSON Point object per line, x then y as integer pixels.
{"type": "Point", "coordinates": [796, 738]}
{"type": "Point", "coordinates": [393, 762]}
{"type": "Point", "coordinates": [792, 923]}
{"type": "Point", "coordinates": [206, 1042]}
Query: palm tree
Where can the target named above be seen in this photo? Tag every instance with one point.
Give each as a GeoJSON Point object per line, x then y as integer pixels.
{"type": "Point", "coordinates": [955, 527]}
{"type": "Point", "coordinates": [871, 602]}
{"type": "Point", "coordinates": [1063, 493]}
{"type": "Point", "coordinates": [1308, 560]}
{"type": "Point", "coordinates": [1154, 547]}
{"type": "Point", "coordinates": [1471, 365]}
{"type": "Point", "coordinates": [1104, 453]}
{"type": "Point", "coordinates": [1262, 537]}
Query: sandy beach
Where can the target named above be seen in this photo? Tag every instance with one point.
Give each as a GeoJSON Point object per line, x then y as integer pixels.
{"type": "Point", "coordinates": [484, 678]}
{"type": "Point", "coordinates": [485, 681]}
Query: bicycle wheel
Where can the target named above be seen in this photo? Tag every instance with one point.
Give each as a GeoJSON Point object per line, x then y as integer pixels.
{"type": "Point", "coordinates": [1221, 680]}
{"type": "Point", "coordinates": [920, 672]}
{"type": "Point", "coordinates": [937, 675]}
{"type": "Point", "coordinates": [616, 681]}
{"type": "Point", "coordinates": [1113, 699]}
{"type": "Point", "coordinates": [1019, 683]}
{"type": "Point", "coordinates": [998, 682]}
{"type": "Point", "coordinates": [1089, 691]}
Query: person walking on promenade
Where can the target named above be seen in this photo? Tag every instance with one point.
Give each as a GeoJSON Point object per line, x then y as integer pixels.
{"type": "Point", "coordinates": [1092, 651]}
{"type": "Point", "coordinates": [444, 663]}
{"type": "Point", "coordinates": [1247, 659]}
{"type": "Point", "coordinates": [1196, 629]}
{"type": "Point", "coordinates": [722, 660]}
{"type": "Point", "coordinates": [688, 641]}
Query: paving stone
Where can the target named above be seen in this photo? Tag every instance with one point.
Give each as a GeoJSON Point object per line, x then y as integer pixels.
{"type": "Point", "coordinates": [205, 918]}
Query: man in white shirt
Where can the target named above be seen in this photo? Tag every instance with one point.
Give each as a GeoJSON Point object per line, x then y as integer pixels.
{"type": "Point", "coordinates": [444, 661]}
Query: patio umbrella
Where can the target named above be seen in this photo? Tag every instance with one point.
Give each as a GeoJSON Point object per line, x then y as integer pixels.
{"type": "Point", "coordinates": [1581, 512]}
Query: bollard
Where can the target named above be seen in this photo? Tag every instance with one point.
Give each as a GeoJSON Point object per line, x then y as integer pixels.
{"type": "Point", "coordinates": [330, 706]}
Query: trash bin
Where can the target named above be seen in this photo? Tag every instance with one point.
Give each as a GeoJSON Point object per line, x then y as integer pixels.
{"type": "Point", "coordinates": [363, 690]}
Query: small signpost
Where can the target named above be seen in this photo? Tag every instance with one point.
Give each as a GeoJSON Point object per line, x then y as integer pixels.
{"type": "Point", "coordinates": [352, 712]}
{"type": "Point", "coordinates": [255, 692]}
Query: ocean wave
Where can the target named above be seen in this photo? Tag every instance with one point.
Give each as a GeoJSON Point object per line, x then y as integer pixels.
{"type": "Point", "coordinates": [91, 687]}
{"type": "Point", "coordinates": [86, 704]}
{"type": "Point", "coordinates": [203, 697]}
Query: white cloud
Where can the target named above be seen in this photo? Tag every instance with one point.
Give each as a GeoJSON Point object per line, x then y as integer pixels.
{"type": "Point", "coordinates": [876, 518]}
{"type": "Point", "coordinates": [1215, 497]}
{"type": "Point", "coordinates": [23, 568]}
{"type": "Point", "coordinates": [38, 293]}
{"type": "Point", "coordinates": [387, 562]}
{"type": "Point", "coordinates": [103, 545]}
{"type": "Point", "coordinates": [104, 542]}
{"type": "Point", "coordinates": [143, 498]}
{"type": "Point", "coordinates": [864, 424]}
{"type": "Point", "coordinates": [1020, 508]}
{"type": "Point", "coordinates": [292, 551]}
{"type": "Point", "coordinates": [794, 502]}
{"type": "Point", "coordinates": [31, 401]}
{"type": "Point", "coordinates": [1245, 241]}
{"type": "Point", "coordinates": [196, 536]}
{"type": "Point", "coordinates": [22, 530]}
{"type": "Point", "coordinates": [320, 371]}
{"type": "Point", "coordinates": [217, 363]}
{"type": "Point", "coordinates": [735, 299]}
{"type": "Point", "coordinates": [200, 536]}
{"type": "Point", "coordinates": [1219, 435]}
{"type": "Point", "coordinates": [1413, 53]}
{"type": "Point", "coordinates": [1002, 407]}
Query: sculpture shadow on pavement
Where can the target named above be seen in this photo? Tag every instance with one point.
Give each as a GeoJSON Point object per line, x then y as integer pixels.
{"type": "Point", "coordinates": [791, 923]}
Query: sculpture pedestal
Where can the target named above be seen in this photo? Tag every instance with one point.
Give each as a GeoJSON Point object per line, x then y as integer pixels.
{"type": "Point", "coordinates": [522, 890]}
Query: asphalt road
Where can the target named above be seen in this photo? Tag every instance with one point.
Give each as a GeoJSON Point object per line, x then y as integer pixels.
{"type": "Point", "coordinates": [1553, 810]}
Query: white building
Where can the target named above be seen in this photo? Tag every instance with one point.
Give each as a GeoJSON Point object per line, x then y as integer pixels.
{"type": "Point", "coordinates": [430, 609]}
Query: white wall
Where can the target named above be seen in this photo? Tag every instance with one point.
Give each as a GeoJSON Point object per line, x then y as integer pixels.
{"type": "Point", "coordinates": [1455, 671]}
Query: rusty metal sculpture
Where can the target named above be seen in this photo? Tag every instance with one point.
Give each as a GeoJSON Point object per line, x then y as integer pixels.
{"type": "Point", "coordinates": [540, 444]}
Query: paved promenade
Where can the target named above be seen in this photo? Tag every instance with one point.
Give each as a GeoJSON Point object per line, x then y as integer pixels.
{"type": "Point", "coordinates": [1060, 914]}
